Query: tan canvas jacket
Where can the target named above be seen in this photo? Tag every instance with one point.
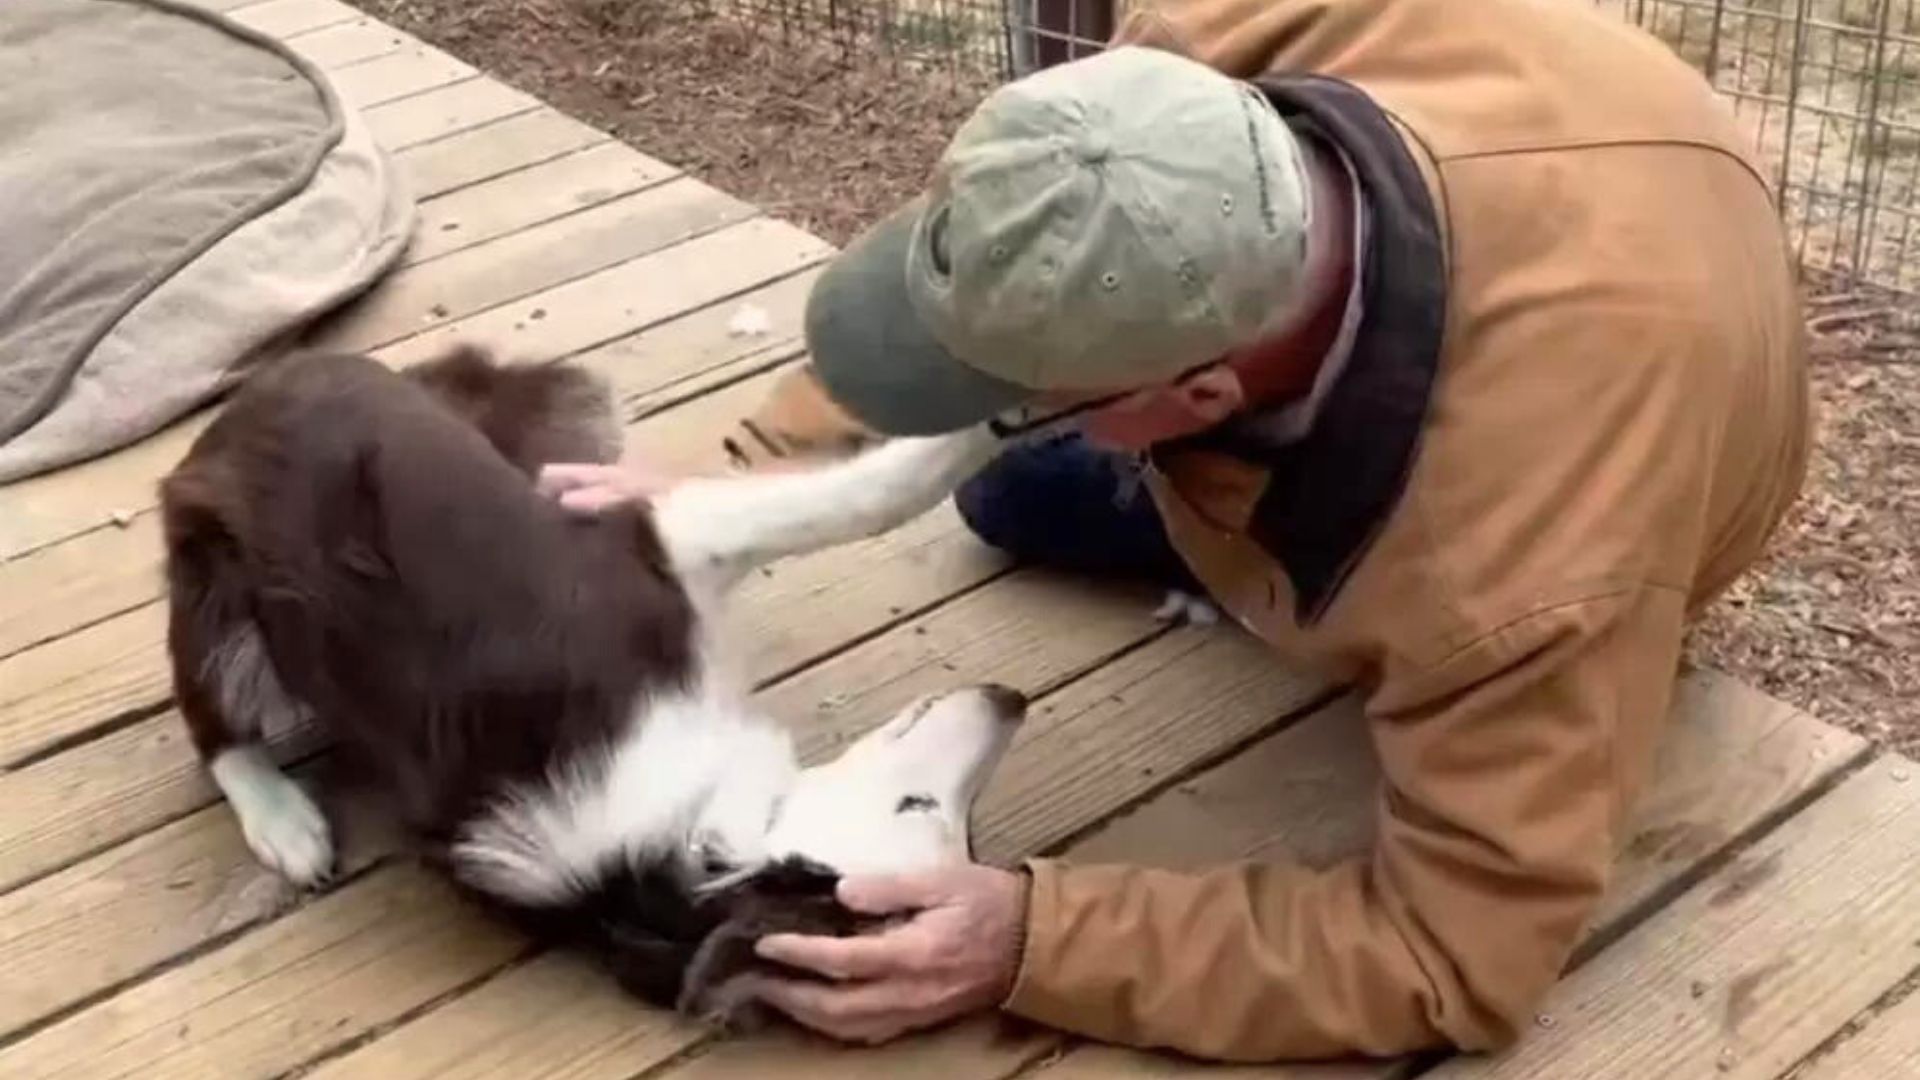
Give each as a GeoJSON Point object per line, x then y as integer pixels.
{"type": "Point", "coordinates": [1575, 411]}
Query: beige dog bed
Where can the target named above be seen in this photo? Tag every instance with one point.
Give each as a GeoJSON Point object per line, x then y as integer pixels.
{"type": "Point", "coordinates": [178, 196]}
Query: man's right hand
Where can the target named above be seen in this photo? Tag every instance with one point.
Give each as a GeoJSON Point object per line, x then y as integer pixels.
{"type": "Point", "coordinates": [588, 489]}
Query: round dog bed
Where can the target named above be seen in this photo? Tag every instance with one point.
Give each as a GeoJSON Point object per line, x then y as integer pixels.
{"type": "Point", "coordinates": [178, 196]}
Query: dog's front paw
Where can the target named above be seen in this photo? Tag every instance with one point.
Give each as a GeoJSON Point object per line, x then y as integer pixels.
{"type": "Point", "coordinates": [290, 834]}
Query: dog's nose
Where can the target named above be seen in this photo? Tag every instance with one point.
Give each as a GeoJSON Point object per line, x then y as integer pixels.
{"type": "Point", "coordinates": [1009, 705]}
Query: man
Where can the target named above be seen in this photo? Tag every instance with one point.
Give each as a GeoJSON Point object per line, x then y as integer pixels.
{"type": "Point", "coordinates": [1455, 351]}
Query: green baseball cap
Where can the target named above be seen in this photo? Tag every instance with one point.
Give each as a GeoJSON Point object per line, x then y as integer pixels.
{"type": "Point", "coordinates": [1108, 223]}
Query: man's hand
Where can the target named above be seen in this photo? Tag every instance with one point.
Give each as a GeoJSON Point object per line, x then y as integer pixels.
{"type": "Point", "coordinates": [959, 954]}
{"type": "Point", "coordinates": [588, 489]}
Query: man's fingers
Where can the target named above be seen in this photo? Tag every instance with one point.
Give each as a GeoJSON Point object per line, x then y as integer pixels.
{"type": "Point", "coordinates": [559, 477]}
{"type": "Point", "coordinates": [871, 1012]}
{"type": "Point", "coordinates": [864, 957]}
{"type": "Point", "coordinates": [593, 500]}
{"type": "Point", "coordinates": [894, 894]}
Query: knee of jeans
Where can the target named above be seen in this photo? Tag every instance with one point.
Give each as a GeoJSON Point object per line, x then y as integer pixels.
{"type": "Point", "coordinates": [986, 508]}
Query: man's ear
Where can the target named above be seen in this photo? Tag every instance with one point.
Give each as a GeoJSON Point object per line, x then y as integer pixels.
{"type": "Point", "coordinates": [1212, 394]}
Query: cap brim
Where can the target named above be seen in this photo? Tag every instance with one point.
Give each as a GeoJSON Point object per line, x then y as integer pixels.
{"type": "Point", "coordinates": [875, 356]}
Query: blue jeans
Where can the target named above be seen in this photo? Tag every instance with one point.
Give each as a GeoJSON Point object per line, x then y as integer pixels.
{"type": "Point", "coordinates": [1067, 505]}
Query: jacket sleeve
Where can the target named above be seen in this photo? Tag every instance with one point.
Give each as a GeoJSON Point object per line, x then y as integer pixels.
{"type": "Point", "coordinates": [1506, 771]}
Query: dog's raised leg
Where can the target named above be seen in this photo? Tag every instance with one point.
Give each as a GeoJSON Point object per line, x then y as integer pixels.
{"type": "Point", "coordinates": [719, 528]}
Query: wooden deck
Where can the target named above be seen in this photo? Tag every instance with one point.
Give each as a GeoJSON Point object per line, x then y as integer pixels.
{"type": "Point", "coordinates": [1767, 911]}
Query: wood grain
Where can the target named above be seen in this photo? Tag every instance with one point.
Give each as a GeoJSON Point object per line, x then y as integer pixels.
{"type": "Point", "coordinates": [287, 18]}
{"type": "Point", "coordinates": [1751, 969]}
{"type": "Point", "coordinates": [492, 150]}
{"type": "Point", "coordinates": [520, 200]}
{"type": "Point", "coordinates": [446, 111]}
{"type": "Point", "coordinates": [342, 44]}
{"type": "Point", "coordinates": [412, 70]}
{"type": "Point", "coordinates": [1887, 1047]}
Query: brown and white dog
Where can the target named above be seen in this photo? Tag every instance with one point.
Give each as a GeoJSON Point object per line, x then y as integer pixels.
{"type": "Point", "coordinates": [546, 697]}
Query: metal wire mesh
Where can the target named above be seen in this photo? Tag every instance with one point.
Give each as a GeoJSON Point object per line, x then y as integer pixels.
{"type": "Point", "coordinates": [1830, 90]}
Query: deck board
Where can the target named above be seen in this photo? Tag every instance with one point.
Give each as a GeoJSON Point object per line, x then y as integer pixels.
{"type": "Point", "coordinates": [1886, 1047]}
{"type": "Point", "coordinates": [396, 75]}
{"type": "Point", "coordinates": [343, 44]}
{"type": "Point", "coordinates": [138, 937]}
{"type": "Point", "coordinates": [1753, 968]}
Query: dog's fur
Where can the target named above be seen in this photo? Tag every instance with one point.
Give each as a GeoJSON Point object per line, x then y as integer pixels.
{"type": "Point", "coordinates": [545, 695]}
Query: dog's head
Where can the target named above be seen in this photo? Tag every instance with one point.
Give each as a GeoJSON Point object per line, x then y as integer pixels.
{"type": "Point", "coordinates": [678, 928]}
{"type": "Point", "coordinates": [897, 800]}
{"type": "Point", "coordinates": [900, 798]}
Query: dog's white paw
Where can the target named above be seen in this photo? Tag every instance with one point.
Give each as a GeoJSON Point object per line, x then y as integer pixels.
{"type": "Point", "coordinates": [1180, 607]}
{"type": "Point", "coordinates": [292, 837]}
{"type": "Point", "coordinates": [283, 826]}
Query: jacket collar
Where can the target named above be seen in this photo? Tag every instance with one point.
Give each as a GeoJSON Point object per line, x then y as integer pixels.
{"type": "Point", "coordinates": [1329, 492]}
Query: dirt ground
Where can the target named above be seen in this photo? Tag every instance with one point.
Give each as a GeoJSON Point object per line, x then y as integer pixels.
{"type": "Point", "coordinates": [1831, 622]}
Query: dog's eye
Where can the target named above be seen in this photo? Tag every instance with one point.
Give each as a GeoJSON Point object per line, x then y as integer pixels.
{"type": "Point", "coordinates": [914, 803]}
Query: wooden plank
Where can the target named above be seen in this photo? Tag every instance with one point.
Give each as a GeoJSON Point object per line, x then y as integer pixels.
{"type": "Point", "coordinates": [607, 305]}
{"type": "Point", "coordinates": [344, 44]}
{"type": "Point", "coordinates": [396, 936]}
{"type": "Point", "coordinates": [1751, 969]}
{"type": "Point", "coordinates": [1734, 760]}
{"type": "Point", "coordinates": [510, 268]}
{"type": "Point", "coordinates": [64, 586]}
{"type": "Point", "coordinates": [285, 18]}
{"type": "Point", "coordinates": [1887, 1047]}
{"type": "Point", "coordinates": [491, 150]}
{"type": "Point", "coordinates": [78, 679]}
{"type": "Point", "coordinates": [520, 200]}
{"type": "Point", "coordinates": [466, 1040]}
{"type": "Point", "coordinates": [223, 5]}
{"type": "Point", "coordinates": [446, 111]}
{"type": "Point", "coordinates": [693, 354]}
{"type": "Point", "coordinates": [107, 920]}
{"type": "Point", "coordinates": [74, 683]}
{"type": "Point", "coordinates": [413, 70]}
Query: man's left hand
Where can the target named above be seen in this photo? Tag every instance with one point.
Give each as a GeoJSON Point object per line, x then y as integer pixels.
{"type": "Point", "coordinates": [959, 954]}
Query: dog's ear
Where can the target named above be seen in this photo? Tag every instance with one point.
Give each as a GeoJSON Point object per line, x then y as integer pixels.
{"type": "Point", "coordinates": [793, 895]}
{"type": "Point", "coordinates": [533, 414]}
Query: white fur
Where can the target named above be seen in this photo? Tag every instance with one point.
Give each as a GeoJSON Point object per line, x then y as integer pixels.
{"type": "Point", "coordinates": [279, 820]}
{"type": "Point", "coordinates": [244, 683]}
{"type": "Point", "coordinates": [716, 529]}
{"type": "Point", "coordinates": [706, 773]}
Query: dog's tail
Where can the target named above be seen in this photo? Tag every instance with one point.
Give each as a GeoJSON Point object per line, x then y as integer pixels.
{"type": "Point", "coordinates": [534, 414]}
